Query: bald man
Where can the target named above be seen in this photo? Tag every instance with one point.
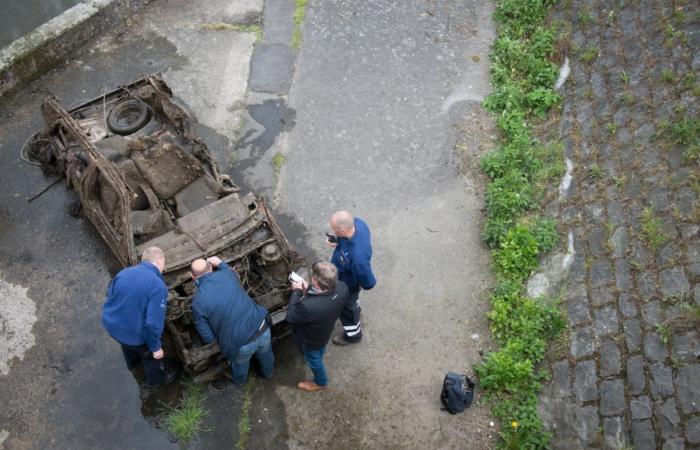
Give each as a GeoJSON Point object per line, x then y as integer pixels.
{"type": "Point", "coordinates": [134, 315]}
{"type": "Point", "coordinates": [352, 254]}
{"type": "Point", "coordinates": [222, 311]}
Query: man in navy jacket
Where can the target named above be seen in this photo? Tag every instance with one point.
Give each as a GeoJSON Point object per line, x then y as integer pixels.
{"type": "Point", "coordinates": [352, 255]}
{"type": "Point", "coordinates": [134, 314]}
{"type": "Point", "coordinates": [312, 315]}
{"type": "Point", "coordinates": [222, 311]}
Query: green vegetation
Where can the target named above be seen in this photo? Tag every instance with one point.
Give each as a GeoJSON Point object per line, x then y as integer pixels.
{"type": "Point", "coordinates": [667, 76]}
{"type": "Point", "coordinates": [244, 420]}
{"type": "Point", "coordinates": [590, 54]}
{"type": "Point", "coordinates": [522, 74]}
{"type": "Point", "coordinates": [241, 28]}
{"type": "Point", "coordinates": [299, 16]}
{"type": "Point", "coordinates": [664, 332]}
{"type": "Point", "coordinates": [651, 228]}
{"type": "Point", "coordinates": [278, 162]}
{"type": "Point", "coordinates": [184, 421]}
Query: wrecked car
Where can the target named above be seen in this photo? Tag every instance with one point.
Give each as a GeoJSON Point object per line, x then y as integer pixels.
{"type": "Point", "coordinates": [145, 179]}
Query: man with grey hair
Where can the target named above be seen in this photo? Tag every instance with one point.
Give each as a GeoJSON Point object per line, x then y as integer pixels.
{"type": "Point", "coordinates": [352, 253]}
{"type": "Point", "coordinates": [134, 315]}
{"type": "Point", "coordinates": [312, 312]}
{"type": "Point", "coordinates": [222, 311]}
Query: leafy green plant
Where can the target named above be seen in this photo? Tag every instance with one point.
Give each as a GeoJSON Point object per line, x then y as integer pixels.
{"type": "Point", "coordinates": [667, 76]}
{"type": "Point", "coordinates": [185, 421]}
{"type": "Point", "coordinates": [664, 332]}
{"type": "Point", "coordinates": [612, 127]}
{"type": "Point", "coordinates": [651, 228]}
{"type": "Point", "coordinates": [522, 75]}
{"type": "Point", "coordinates": [589, 54]}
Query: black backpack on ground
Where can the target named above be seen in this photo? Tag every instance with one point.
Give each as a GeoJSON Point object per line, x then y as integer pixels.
{"type": "Point", "coordinates": [457, 392]}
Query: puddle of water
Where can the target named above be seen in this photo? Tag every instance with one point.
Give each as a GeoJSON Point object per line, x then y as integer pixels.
{"type": "Point", "coordinates": [275, 117]}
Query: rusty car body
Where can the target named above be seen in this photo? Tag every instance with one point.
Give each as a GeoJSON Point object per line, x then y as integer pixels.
{"type": "Point", "coordinates": [145, 179]}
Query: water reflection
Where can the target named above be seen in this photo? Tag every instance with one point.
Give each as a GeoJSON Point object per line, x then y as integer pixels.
{"type": "Point", "coordinates": [19, 17]}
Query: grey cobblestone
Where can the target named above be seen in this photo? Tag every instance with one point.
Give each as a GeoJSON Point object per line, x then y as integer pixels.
{"type": "Point", "coordinates": [692, 430]}
{"type": "Point", "coordinates": [585, 380]}
{"type": "Point", "coordinates": [633, 334]}
{"type": "Point", "coordinates": [686, 346]}
{"type": "Point", "coordinates": [674, 444]}
{"type": "Point", "coordinates": [643, 436]}
{"type": "Point", "coordinates": [561, 379]}
{"type": "Point", "coordinates": [582, 343]}
{"type": "Point", "coordinates": [640, 408]}
{"type": "Point", "coordinates": [688, 388]}
{"type": "Point", "coordinates": [627, 305]}
{"type": "Point", "coordinates": [612, 397]}
{"type": "Point", "coordinates": [636, 381]}
{"type": "Point", "coordinates": [646, 392]}
{"type": "Point", "coordinates": [661, 380]}
{"type": "Point", "coordinates": [654, 349]}
{"type": "Point", "coordinates": [609, 359]}
{"type": "Point", "coordinates": [614, 432]}
{"type": "Point", "coordinates": [651, 313]}
{"type": "Point", "coordinates": [668, 420]}
{"type": "Point", "coordinates": [674, 282]}
{"type": "Point", "coordinates": [605, 322]}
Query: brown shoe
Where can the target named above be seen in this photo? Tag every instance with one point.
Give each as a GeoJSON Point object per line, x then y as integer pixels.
{"type": "Point", "coordinates": [338, 339]}
{"type": "Point", "coordinates": [309, 386]}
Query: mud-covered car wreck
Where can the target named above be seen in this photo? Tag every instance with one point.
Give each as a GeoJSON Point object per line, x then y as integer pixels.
{"type": "Point", "coordinates": [145, 179]}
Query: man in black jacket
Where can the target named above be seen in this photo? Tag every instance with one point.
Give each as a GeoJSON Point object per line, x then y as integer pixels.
{"type": "Point", "coordinates": [312, 312]}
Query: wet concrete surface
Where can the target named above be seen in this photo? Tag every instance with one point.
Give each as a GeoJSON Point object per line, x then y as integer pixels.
{"type": "Point", "coordinates": [19, 17]}
{"type": "Point", "coordinates": [362, 127]}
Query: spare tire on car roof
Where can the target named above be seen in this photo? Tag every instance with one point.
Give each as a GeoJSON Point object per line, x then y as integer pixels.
{"type": "Point", "coordinates": [128, 116]}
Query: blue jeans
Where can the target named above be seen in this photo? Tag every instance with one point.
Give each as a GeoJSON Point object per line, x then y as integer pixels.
{"type": "Point", "coordinates": [314, 358]}
{"type": "Point", "coordinates": [153, 369]}
{"type": "Point", "coordinates": [262, 349]}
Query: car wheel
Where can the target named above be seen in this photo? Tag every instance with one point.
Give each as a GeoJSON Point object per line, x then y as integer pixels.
{"type": "Point", "coordinates": [128, 116]}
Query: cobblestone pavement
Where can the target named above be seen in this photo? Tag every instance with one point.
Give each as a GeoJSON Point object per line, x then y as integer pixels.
{"type": "Point", "coordinates": [627, 373]}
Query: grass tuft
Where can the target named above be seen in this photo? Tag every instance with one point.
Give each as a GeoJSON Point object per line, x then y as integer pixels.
{"type": "Point", "coordinates": [299, 16]}
{"type": "Point", "coordinates": [184, 422]}
{"type": "Point", "coordinates": [651, 228]}
{"type": "Point", "coordinates": [278, 161]}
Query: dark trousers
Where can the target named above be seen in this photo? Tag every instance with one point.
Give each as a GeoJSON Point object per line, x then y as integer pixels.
{"type": "Point", "coordinates": [153, 369]}
{"type": "Point", "coordinates": [350, 317]}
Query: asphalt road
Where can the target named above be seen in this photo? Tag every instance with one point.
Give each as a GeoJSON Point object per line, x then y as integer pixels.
{"type": "Point", "coordinates": [377, 113]}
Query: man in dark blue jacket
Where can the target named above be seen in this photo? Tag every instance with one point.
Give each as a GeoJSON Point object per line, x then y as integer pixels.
{"type": "Point", "coordinates": [134, 314]}
{"type": "Point", "coordinates": [223, 311]}
{"type": "Point", "coordinates": [312, 315]}
{"type": "Point", "coordinates": [351, 255]}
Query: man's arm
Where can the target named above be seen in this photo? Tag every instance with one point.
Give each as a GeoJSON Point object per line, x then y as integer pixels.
{"type": "Point", "coordinates": [296, 312]}
{"type": "Point", "coordinates": [362, 270]}
{"type": "Point", "coordinates": [155, 316]}
{"type": "Point", "coordinates": [201, 323]}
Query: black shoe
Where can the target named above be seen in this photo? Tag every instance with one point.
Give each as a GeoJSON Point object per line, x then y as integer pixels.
{"type": "Point", "coordinates": [341, 341]}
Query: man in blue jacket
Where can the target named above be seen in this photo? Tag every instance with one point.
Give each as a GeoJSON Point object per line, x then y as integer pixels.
{"type": "Point", "coordinates": [134, 315]}
{"type": "Point", "coordinates": [351, 255]}
{"type": "Point", "coordinates": [222, 311]}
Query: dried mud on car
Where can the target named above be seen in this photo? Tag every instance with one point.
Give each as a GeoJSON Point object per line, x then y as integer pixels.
{"type": "Point", "coordinates": [145, 179]}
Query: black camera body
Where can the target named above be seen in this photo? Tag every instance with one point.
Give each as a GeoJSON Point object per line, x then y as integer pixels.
{"type": "Point", "coordinates": [332, 238]}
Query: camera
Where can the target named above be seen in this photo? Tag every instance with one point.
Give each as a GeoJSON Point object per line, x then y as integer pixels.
{"type": "Point", "coordinates": [332, 238]}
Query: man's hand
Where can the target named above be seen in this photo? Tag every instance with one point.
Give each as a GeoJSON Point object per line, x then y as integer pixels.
{"type": "Point", "coordinates": [214, 261]}
{"type": "Point", "coordinates": [158, 354]}
{"type": "Point", "coordinates": [299, 286]}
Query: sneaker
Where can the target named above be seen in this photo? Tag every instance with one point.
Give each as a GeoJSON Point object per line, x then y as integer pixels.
{"type": "Point", "coordinates": [309, 386]}
{"type": "Point", "coordinates": [339, 339]}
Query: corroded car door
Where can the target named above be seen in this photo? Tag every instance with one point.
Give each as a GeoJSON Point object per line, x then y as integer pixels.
{"type": "Point", "coordinates": [105, 202]}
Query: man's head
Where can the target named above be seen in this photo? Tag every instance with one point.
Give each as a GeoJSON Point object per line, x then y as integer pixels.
{"type": "Point", "coordinates": [343, 224]}
{"type": "Point", "coordinates": [199, 267]}
{"type": "Point", "coordinates": [324, 276]}
{"type": "Point", "coordinates": [155, 256]}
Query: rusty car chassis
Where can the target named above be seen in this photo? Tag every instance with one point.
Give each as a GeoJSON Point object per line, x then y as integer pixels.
{"type": "Point", "coordinates": [145, 179]}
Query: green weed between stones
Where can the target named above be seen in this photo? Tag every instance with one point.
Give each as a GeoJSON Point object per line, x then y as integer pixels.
{"type": "Point", "coordinates": [651, 227]}
{"type": "Point", "coordinates": [523, 76]}
{"type": "Point", "coordinates": [184, 422]}
{"type": "Point", "coordinates": [278, 162]}
{"type": "Point", "coordinates": [299, 16]}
